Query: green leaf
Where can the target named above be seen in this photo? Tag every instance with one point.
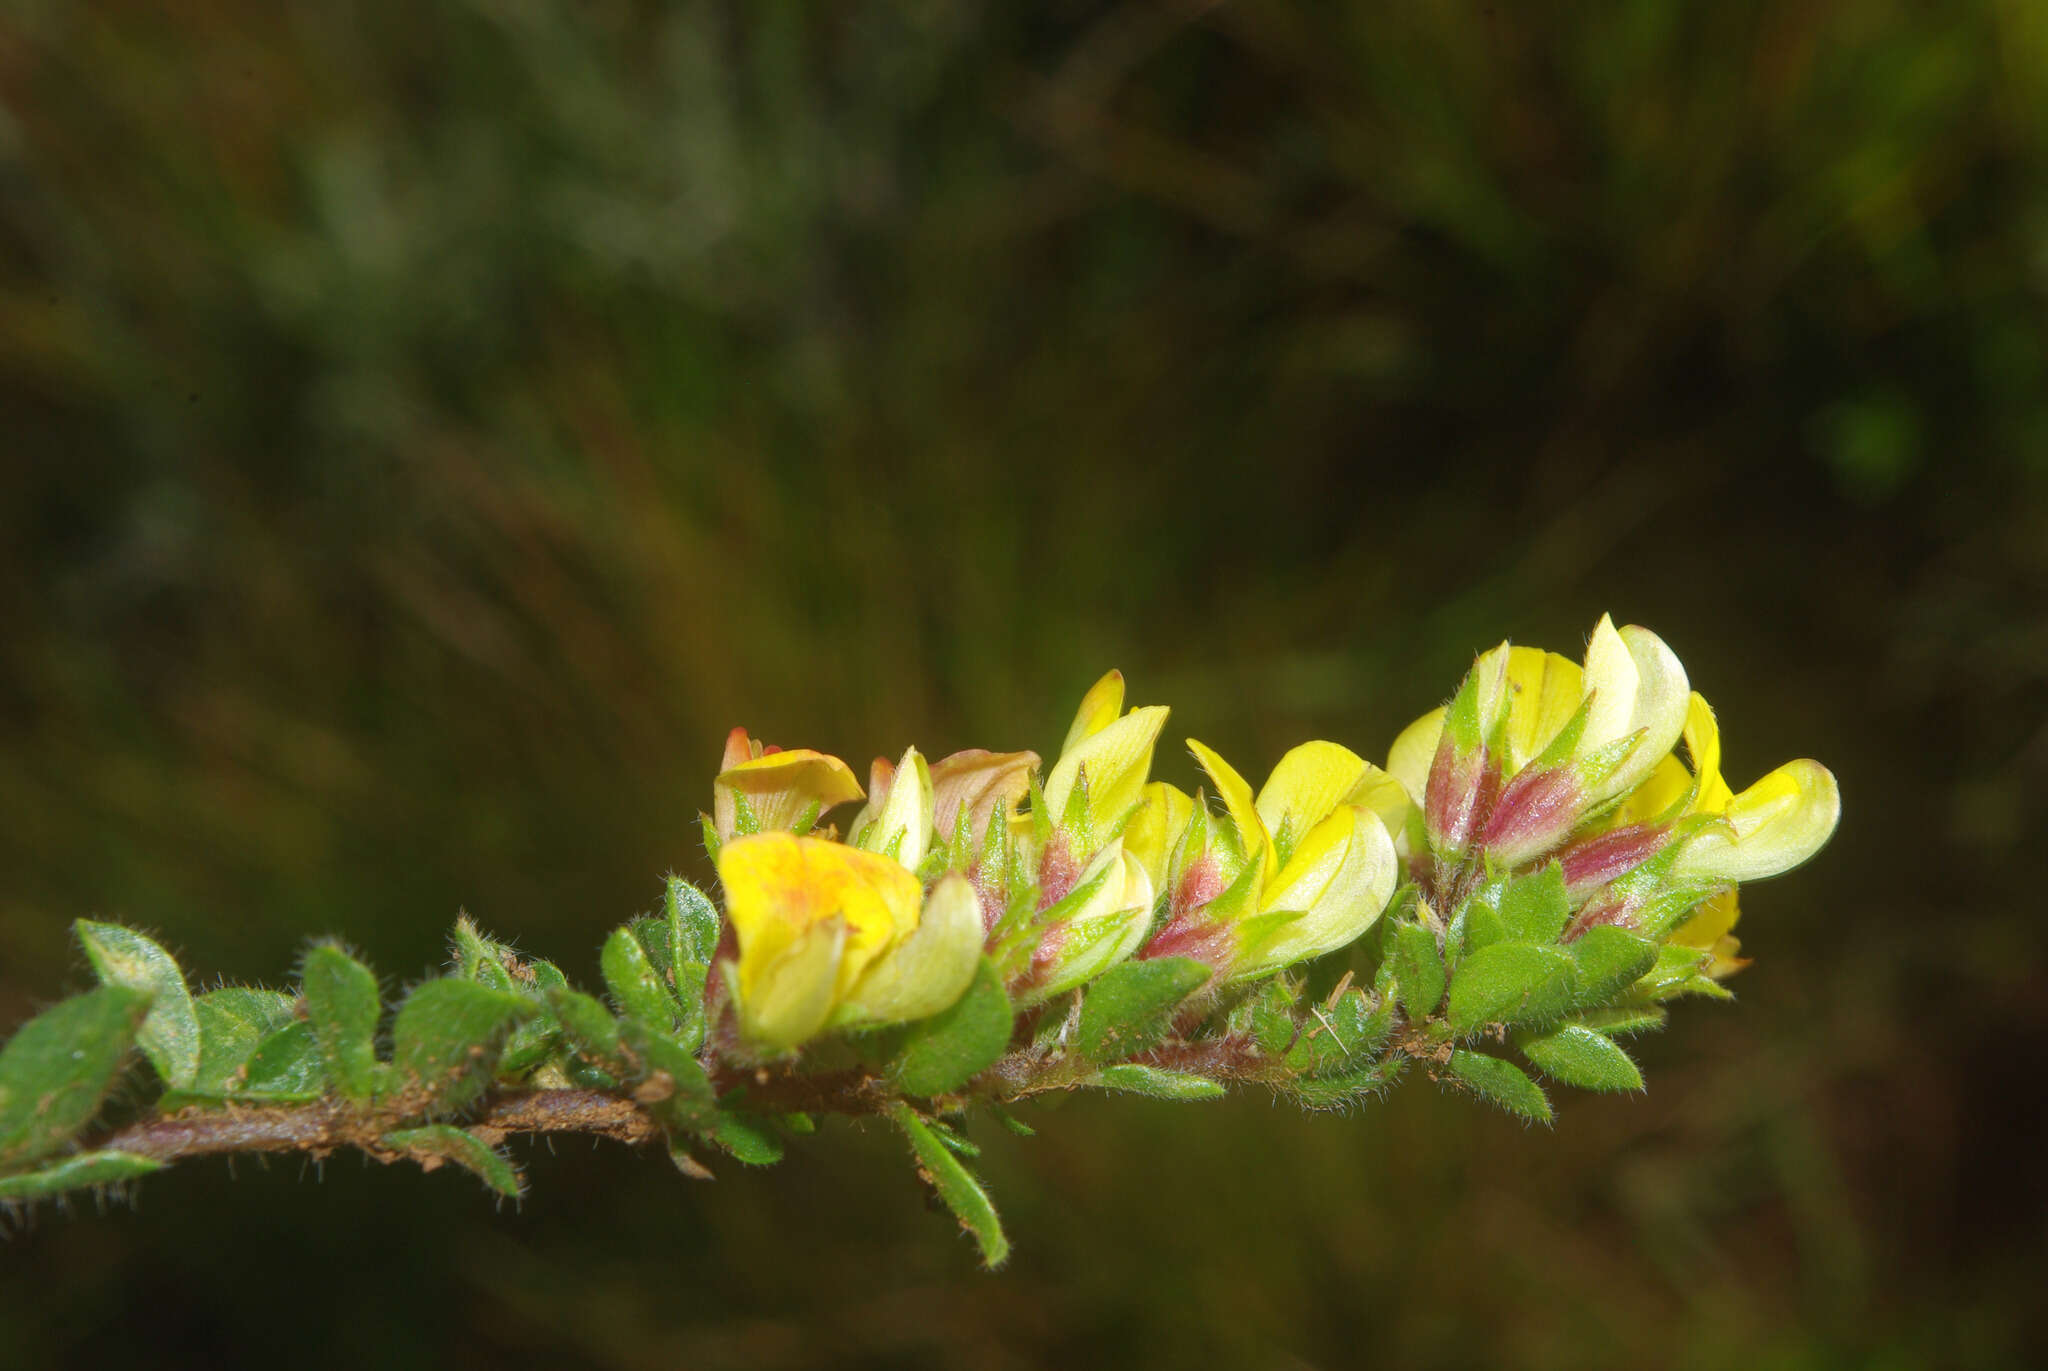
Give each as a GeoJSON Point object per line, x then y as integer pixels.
{"type": "Point", "coordinates": [947, 1050]}
{"type": "Point", "coordinates": [1609, 960]}
{"type": "Point", "coordinates": [1510, 983]}
{"type": "Point", "coordinates": [1266, 1016]}
{"type": "Point", "coordinates": [57, 1067]}
{"type": "Point", "coordinates": [1344, 1091]}
{"type": "Point", "coordinates": [1502, 1082]}
{"type": "Point", "coordinates": [666, 1065]}
{"type": "Point", "coordinates": [1130, 1007]}
{"type": "Point", "coordinates": [1480, 925]}
{"type": "Point", "coordinates": [437, 1143]}
{"type": "Point", "coordinates": [1419, 969]}
{"type": "Point", "coordinates": [1579, 1056]}
{"type": "Point", "coordinates": [343, 1006]}
{"type": "Point", "coordinates": [1160, 1084]}
{"type": "Point", "coordinates": [636, 986]}
{"type": "Point", "coordinates": [1534, 907]}
{"type": "Point", "coordinates": [170, 1035]}
{"type": "Point", "coordinates": [749, 1139]}
{"type": "Point", "coordinates": [446, 1039]}
{"type": "Point", "coordinates": [232, 1022]}
{"type": "Point", "coordinates": [1340, 1036]}
{"type": "Point", "coordinates": [75, 1173]}
{"type": "Point", "coordinates": [955, 1184]}
{"type": "Point", "coordinates": [695, 920]}
{"type": "Point", "coordinates": [591, 1030]}
{"type": "Point", "coordinates": [285, 1067]}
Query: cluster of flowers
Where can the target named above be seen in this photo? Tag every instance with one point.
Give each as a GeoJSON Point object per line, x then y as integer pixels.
{"type": "Point", "coordinates": [1056, 878]}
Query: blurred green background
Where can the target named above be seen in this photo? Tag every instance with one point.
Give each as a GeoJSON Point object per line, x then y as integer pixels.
{"type": "Point", "coordinates": [429, 428]}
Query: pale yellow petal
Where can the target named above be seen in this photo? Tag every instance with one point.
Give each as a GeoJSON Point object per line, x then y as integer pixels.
{"type": "Point", "coordinates": [1340, 878]}
{"type": "Point", "coordinates": [783, 1000]}
{"type": "Point", "coordinates": [1307, 784]}
{"type": "Point", "coordinates": [1703, 743]}
{"type": "Point", "coordinates": [928, 970]}
{"type": "Point", "coordinates": [982, 783]}
{"type": "Point", "coordinates": [780, 786]}
{"type": "Point", "coordinates": [1156, 826]}
{"type": "Point", "coordinates": [1236, 795]}
{"type": "Point", "coordinates": [1099, 709]}
{"type": "Point", "coordinates": [1769, 828]}
{"type": "Point", "coordinates": [1117, 760]}
{"type": "Point", "coordinates": [1637, 688]}
{"type": "Point", "coordinates": [905, 818]}
{"type": "Point", "coordinates": [1544, 691]}
{"type": "Point", "coordinates": [1409, 758]}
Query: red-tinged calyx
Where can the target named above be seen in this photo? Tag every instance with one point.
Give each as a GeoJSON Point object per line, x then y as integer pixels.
{"type": "Point", "coordinates": [1537, 810]}
{"type": "Point", "coordinates": [1594, 862]}
{"type": "Point", "coordinates": [1463, 784]}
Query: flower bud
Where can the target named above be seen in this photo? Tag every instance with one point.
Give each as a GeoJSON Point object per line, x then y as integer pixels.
{"type": "Point", "coordinates": [897, 819]}
{"type": "Point", "coordinates": [1104, 761]}
{"type": "Point", "coordinates": [1101, 922]}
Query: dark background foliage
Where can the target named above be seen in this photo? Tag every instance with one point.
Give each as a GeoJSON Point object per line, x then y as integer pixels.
{"type": "Point", "coordinates": [429, 428]}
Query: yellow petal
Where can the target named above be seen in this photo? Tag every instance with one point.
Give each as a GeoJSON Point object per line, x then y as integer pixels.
{"type": "Point", "coordinates": [1117, 760]}
{"type": "Point", "coordinates": [928, 970]}
{"type": "Point", "coordinates": [1544, 691]}
{"type": "Point", "coordinates": [905, 817]}
{"type": "Point", "coordinates": [1710, 923]}
{"type": "Point", "coordinates": [780, 786]}
{"type": "Point", "coordinates": [1768, 829]}
{"type": "Point", "coordinates": [1308, 783]}
{"type": "Point", "coordinates": [1155, 828]}
{"type": "Point", "coordinates": [1253, 840]}
{"type": "Point", "coordinates": [1637, 687]}
{"type": "Point", "coordinates": [1340, 878]}
{"type": "Point", "coordinates": [785, 999]}
{"type": "Point", "coordinates": [779, 886]}
{"type": "Point", "coordinates": [1409, 758]}
{"type": "Point", "coordinates": [1099, 709]}
{"type": "Point", "coordinates": [1703, 743]}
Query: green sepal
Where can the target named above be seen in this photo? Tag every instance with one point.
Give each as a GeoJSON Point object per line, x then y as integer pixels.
{"type": "Point", "coordinates": [1012, 1122]}
{"type": "Point", "coordinates": [170, 1033]}
{"type": "Point", "coordinates": [591, 1030]}
{"type": "Point", "coordinates": [1158, 1083]}
{"type": "Point", "coordinates": [76, 1172]}
{"type": "Point", "coordinates": [285, 1068]}
{"type": "Point", "coordinates": [1502, 1082]}
{"type": "Point", "coordinates": [709, 827]}
{"type": "Point", "coordinates": [1130, 1007]}
{"type": "Point", "coordinates": [481, 959]}
{"type": "Point", "coordinates": [232, 1023]}
{"type": "Point", "coordinates": [1677, 971]}
{"type": "Point", "coordinates": [749, 1139]}
{"type": "Point", "coordinates": [440, 1142]}
{"type": "Point", "coordinates": [1534, 907]}
{"type": "Point", "coordinates": [1340, 1036]}
{"type": "Point", "coordinates": [1623, 1021]}
{"type": "Point", "coordinates": [56, 1068]}
{"type": "Point", "coordinates": [1578, 1056]}
{"type": "Point", "coordinates": [694, 918]}
{"type": "Point", "coordinates": [955, 1184]}
{"type": "Point", "coordinates": [1511, 983]}
{"type": "Point", "coordinates": [1419, 969]}
{"type": "Point", "coordinates": [446, 1039]}
{"type": "Point", "coordinates": [343, 1006]}
{"type": "Point", "coordinates": [635, 984]}
{"type": "Point", "coordinates": [690, 1104]}
{"type": "Point", "coordinates": [949, 1049]}
{"type": "Point", "coordinates": [1609, 959]}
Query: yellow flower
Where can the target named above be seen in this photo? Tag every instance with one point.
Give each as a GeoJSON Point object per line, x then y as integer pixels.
{"type": "Point", "coordinates": [1301, 869]}
{"type": "Point", "coordinates": [830, 936]}
{"type": "Point", "coordinates": [897, 819]}
{"type": "Point", "coordinates": [1108, 755]}
{"type": "Point", "coordinates": [776, 788]}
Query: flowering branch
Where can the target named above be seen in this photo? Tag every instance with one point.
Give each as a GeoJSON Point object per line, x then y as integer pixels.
{"type": "Point", "coordinates": [1542, 866]}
